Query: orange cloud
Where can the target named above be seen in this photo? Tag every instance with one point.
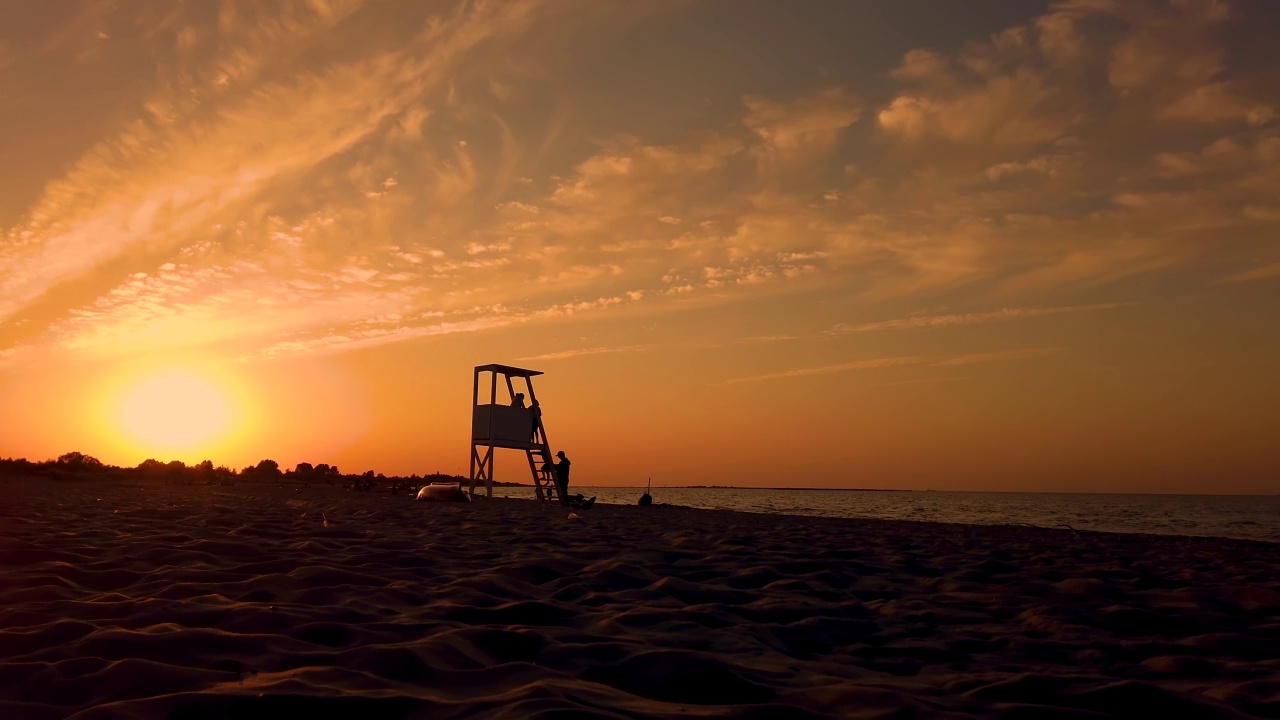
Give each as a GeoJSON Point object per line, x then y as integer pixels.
{"type": "Point", "coordinates": [388, 193]}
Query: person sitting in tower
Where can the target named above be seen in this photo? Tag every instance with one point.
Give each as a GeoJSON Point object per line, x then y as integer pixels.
{"type": "Point", "coordinates": [535, 411]}
{"type": "Point", "coordinates": [518, 400]}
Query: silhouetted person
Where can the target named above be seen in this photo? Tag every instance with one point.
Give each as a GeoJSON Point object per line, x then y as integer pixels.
{"type": "Point", "coordinates": [562, 477]}
{"type": "Point", "coordinates": [518, 400]}
{"type": "Point", "coordinates": [562, 486]}
{"type": "Point", "coordinates": [535, 411]}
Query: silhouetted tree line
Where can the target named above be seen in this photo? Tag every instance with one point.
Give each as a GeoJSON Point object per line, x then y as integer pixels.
{"type": "Point", "coordinates": [78, 466]}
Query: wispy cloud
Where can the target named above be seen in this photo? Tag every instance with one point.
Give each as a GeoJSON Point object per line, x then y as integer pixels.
{"type": "Point", "coordinates": [924, 381]}
{"type": "Point", "coordinates": [372, 332]}
{"type": "Point", "coordinates": [941, 321]}
{"type": "Point", "coordinates": [1262, 272]}
{"type": "Point", "coordinates": [907, 360]}
{"type": "Point", "coordinates": [754, 340]}
{"type": "Point", "coordinates": [998, 356]}
{"type": "Point", "coordinates": [182, 170]}
{"type": "Point", "coordinates": [564, 354]}
{"type": "Point", "coordinates": [829, 369]}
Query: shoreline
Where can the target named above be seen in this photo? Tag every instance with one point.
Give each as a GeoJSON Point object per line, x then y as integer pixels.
{"type": "Point", "coordinates": [339, 491]}
{"type": "Point", "coordinates": [269, 601]}
{"type": "Point", "coordinates": [136, 480]}
{"type": "Point", "coordinates": [1232, 517]}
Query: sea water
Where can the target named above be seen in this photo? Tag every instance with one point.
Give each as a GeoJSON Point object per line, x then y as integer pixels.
{"type": "Point", "coordinates": [1249, 517]}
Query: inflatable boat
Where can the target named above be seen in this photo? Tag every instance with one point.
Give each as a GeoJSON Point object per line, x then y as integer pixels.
{"type": "Point", "coordinates": [443, 492]}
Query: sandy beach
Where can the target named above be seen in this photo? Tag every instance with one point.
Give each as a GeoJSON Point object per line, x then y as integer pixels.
{"type": "Point", "coordinates": [263, 602]}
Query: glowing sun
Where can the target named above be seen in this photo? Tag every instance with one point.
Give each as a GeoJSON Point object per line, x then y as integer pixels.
{"type": "Point", "coordinates": [174, 411]}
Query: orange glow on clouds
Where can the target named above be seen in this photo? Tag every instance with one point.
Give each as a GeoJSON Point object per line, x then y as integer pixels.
{"type": "Point", "coordinates": [750, 242]}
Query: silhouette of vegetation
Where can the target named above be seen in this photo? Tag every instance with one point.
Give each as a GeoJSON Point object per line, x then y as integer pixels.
{"type": "Point", "coordinates": [79, 461]}
{"type": "Point", "coordinates": [264, 471]}
{"type": "Point", "coordinates": [79, 466]}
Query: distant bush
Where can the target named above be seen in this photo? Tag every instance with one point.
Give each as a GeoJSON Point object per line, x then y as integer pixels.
{"type": "Point", "coordinates": [79, 466]}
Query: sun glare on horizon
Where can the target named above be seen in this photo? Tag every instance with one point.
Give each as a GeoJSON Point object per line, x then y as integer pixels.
{"type": "Point", "coordinates": [174, 412]}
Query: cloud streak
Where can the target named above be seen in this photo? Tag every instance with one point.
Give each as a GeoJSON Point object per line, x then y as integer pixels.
{"type": "Point", "coordinates": [566, 354]}
{"type": "Point", "coordinates": [873, 364]}
{"type": "Point", "coordinates": [901, 361]}
{"type": "Point", "coordinates": [997, 356]}
{"type": "Point", "coordinates": [1264, 272]}
{"type": "Point", "coordinates": [927, 322]}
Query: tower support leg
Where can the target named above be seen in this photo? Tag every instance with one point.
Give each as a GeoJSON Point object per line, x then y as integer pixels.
{"type": "Point", "coordinates": [481, 469]}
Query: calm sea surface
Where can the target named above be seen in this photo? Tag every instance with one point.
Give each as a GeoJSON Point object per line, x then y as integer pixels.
{"type": "Point", "coordinates": [1250, 517]}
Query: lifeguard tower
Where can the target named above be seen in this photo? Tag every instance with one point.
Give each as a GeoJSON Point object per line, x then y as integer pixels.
{"type": "Point", "coordinates": [509, 426]}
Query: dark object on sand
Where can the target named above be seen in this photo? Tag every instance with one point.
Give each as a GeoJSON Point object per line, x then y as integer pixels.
{"type": "Point", "coordinates": [581, 502]}
{"type": "Point", "coordinates": [646, 499]}
{"type": "Point", "coordinates": [443, 492]}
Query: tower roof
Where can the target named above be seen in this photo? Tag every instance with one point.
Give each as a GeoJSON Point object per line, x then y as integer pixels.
{"type": "Point", "coordinates": [508, 370]}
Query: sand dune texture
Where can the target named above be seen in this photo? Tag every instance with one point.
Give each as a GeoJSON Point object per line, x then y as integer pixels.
{"type": "Point", "coordinates": [256, 602]}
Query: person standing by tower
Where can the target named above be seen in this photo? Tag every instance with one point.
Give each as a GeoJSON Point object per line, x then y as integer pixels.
{"type": "Point", "coordinates": [562, 477]}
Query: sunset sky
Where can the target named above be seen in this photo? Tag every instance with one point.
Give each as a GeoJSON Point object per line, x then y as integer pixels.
{"type": "Point", "coordinates": [1004, 245]}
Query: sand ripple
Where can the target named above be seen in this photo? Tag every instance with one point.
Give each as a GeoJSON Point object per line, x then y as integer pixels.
{"type": "Point", "coordinates": [239, 602]}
